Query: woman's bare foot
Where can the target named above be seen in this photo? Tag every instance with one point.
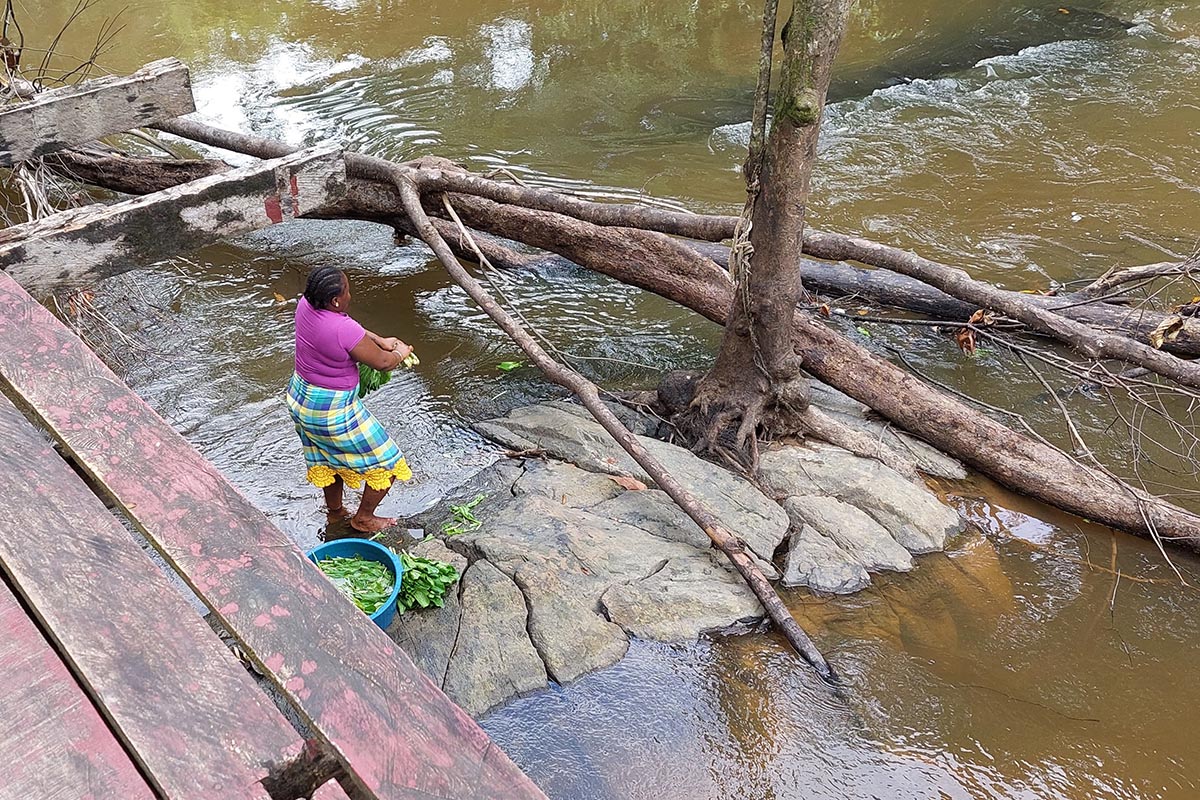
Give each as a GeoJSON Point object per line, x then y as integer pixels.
{"type": "Point", "coordinates": [336, 515]}
{"type": "Point", "coordinates": [371, 523]}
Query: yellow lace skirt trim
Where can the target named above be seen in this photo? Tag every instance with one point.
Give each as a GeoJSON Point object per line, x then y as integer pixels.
{"type": "Point", "coordinates": [378, 478]}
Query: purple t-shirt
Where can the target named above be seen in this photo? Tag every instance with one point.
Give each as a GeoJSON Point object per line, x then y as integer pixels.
{"type": "Point", "coordinates": [324, 340]}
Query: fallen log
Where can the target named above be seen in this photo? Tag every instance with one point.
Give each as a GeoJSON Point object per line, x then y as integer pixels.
{"type": "Point", "coordinates": [131, 174]}
{"type": "Point", "coordinates": [1086, 340]}
{"type": "Point", "coordinates": [725, 540]}
{"type": "Point", "coordinates": [884, 287]}
{"type": "Point", "coordinates": [140, 175]}
{"type": "Point", "coordinates": [1017, 461]}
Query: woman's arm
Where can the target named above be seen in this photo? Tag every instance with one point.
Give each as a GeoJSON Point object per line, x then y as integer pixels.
{"type": "Point", "coordinates": [368, 351]}
{"type": "Point", "coordinates": [390, 343]}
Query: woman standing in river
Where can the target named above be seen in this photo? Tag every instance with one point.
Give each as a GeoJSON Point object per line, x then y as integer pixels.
{"type": "Point", "coordinates": [343, 442]}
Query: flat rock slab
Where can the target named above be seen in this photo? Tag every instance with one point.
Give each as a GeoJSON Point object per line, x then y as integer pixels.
{"type": "Point", "coordinates": [492, 658]}
{"type": "Point", "coordinates": [817, 562]}
{"type": "Point", "coordinates": [863, 539]}
{"type": "Point", "coordinates": [685, 597]}
{"type": "Point", "coordinates": [741, 507]}
{"type": "Point", "coordinates": [571, 638]}
{"type": "Point", "coordinates": [911, 513]}
{"type": "Point", "coordinates": [429, 635]}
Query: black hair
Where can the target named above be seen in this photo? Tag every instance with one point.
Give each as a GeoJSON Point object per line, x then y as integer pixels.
{"type": "Point", "coordinates": [324, 284]}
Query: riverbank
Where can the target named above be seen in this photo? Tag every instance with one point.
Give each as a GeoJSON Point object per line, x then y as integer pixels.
{"type": "Point", "coordinates": [568, 551]}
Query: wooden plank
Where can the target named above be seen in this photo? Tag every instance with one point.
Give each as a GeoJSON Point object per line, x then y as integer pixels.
{"type": "Point", "coordinates": [53, 743]}
{"type": "Point", "coordinates": [330, 791]}
{"type": "Point", "coordinates": [75, 115]}
{"type": "Point", "coordinates": [83, 245]}
{"type": "Point", "coordinates": [389, 725]}
{"type": "Point", "coordinates": [185, 709]}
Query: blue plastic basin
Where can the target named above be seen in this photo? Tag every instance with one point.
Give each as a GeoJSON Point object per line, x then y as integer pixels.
{"type": "Point", "coordinates": [348, 548]}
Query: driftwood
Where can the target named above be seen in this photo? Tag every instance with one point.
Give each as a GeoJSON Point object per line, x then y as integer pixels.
{"type": "Point", "coordinates": [75, 115]}
{"type": "Point", "coordinates": [96, 241]}
{"type": "Point", "coordinates": [725, 540]}
{"type": "Point", "coordinates": [654, 262]}
{"type": "Point", "coordinates": [1086, 340]}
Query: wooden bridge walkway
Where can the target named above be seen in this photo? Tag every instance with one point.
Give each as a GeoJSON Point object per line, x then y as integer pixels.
{"type": "Point", "coordinates": [111, 685]}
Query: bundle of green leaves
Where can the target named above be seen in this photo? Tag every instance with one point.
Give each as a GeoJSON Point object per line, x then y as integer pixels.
{"type": "Point", "coordinates": [370, 379]}
{"type": "Point", "coordinates": [425, 582]}
{"type": "Point", "coordinates": [368, 583]}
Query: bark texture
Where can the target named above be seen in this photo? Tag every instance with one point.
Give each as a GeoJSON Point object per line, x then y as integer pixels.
{"type": "Point", "coordinates": [756, 382]}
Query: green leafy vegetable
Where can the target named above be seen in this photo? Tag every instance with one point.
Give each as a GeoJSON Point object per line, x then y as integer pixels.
{"type": "Point", "coordinates": [368, 583]}
{"type": "Point", "coordinates": [411, 360]}
{"type": "Point", "coordinates": [508, 366]}
{"type": "Point", "coordinates": [425, 582]}
{"type": "Point", "coordinates": [464, 518]}
{"type": "Point", "coordinates": [370, 379]}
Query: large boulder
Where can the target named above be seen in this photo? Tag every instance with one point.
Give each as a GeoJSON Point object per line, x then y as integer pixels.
{"type": "Point", "coordinates": [912, 514]}
{"type": "Point", "coordinates": [739, 506]}
{"type": "Point", "coordinates": [861, 537]}
{"type": "Point", "coordinates": [817, 562]}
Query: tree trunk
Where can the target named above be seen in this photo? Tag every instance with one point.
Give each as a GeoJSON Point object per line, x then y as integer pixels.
{"type": "Point", "coordinates": [756, 382]}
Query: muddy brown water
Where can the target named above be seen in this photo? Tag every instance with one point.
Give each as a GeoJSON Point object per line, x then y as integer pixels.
{"type": "Point", "coordinates": [1040, 658]}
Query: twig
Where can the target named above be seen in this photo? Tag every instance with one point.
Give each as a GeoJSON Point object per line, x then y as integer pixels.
{"type": "Point", "coordinates": [587, 392]}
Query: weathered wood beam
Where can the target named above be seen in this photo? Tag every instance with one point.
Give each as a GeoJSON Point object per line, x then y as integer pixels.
{"type": "Point", "coordinates": [182, 705]}
{"type": "Point", "coordinates": [75, 115]}
{"type": "Point", "coordinates": [53, 741]}
{"type": "Point", "coordinates": [84, 245]}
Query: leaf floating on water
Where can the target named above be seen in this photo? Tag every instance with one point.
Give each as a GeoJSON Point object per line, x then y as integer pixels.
{"type": "Point", "coordinates": [965, 339]}
{"type": "Point", "coordinates": [863, 331]}
{"type": "Point", "coordinates": [508, 366]}
{"type": "Point", "coordinates": [280, 300]}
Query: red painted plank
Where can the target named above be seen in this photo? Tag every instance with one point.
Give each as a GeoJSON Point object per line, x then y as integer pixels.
{"type": "Point", "coordinates": [53, 743]}
{"type": "Point", "coordinates": [185, 709]}
{"type": "Point", "coordinates": [392, 728]}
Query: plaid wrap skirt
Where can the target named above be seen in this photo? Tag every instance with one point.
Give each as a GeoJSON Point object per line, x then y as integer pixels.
{"type": "Point", "coordinates": [342, 438]}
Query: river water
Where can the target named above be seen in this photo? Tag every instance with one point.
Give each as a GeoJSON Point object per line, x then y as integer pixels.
{"type": "Point", "coordinates": [1041, 657]}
